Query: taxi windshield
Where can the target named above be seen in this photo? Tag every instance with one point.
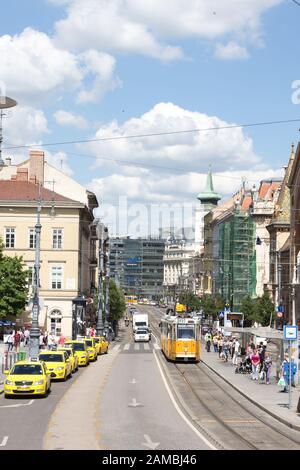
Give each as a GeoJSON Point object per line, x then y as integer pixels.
{"type": "Point", "coordinates": [27, 369]}
{"type": "Point", "coordinates": [89, 342]}
{"type": "Point", "coordinates": [78, 346]}
{"type": "Point", "coordinates": [97, 340]}
{"type": "Point", "coordinates": [68, 351]}
{"type": "Point", "coordinates": [51, 357]}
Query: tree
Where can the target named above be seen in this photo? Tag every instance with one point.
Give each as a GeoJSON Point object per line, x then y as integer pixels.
{"type": "Point", "coordinates": [265, 308]}
{"type": "Point", "coordinates": [212, 306]}
{"type": "Point", "coordinates": [13, 285]}
{"type": "Point", "coordinates": [249, 309]}
{"type": "Point", "coordinates": [190, 300]}
{"type": "Point", "coordinates": [116, 302]}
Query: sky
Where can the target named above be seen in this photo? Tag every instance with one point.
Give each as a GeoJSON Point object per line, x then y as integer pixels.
{"type": "Point", "coordinates": [96, 69]}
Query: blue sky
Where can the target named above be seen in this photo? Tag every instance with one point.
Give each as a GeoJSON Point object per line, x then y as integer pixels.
{"type": "Point", "coordinates": [168, 61]}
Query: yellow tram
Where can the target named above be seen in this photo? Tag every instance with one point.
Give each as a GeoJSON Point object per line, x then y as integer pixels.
{"type": "Point", "coordinates": [180, 337]}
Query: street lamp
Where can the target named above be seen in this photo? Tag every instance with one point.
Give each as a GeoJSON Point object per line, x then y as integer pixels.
{"type": "Point", "coordinates": [35, 330]}
{"type": "Point", "coordinates": [34, 341]}
{"type": "Point", "coordinates": [102, 234]}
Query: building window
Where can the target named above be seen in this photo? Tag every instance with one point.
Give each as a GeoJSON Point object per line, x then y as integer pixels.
{"type": "Point", "coordinates": [57, 239]}
{"type": "Point", "coordinates": [10, 237]}
{"type": "Point", "coordinates": [32, 238]}
{"type": "Point", "coordinates": [56, 277]}
{"type": "Point", "coordinates": [55, 318]}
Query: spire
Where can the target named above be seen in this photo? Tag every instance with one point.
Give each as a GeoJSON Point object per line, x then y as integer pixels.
{"type": "Point", "coordinates": [209, 196]}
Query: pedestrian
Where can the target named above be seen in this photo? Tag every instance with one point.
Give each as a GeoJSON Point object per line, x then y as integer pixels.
{"type": "Point", "coordinates": [215, 343]}
{"type": "Point", "coordinates": [17, 341]}
{"type": "Point", "coordinates": [255, 361]}
{"type": "Point", "coordinates": [267, 367]}
{"type": "Point", "coordinates": [41, 341]}
{"type": "Point", "coordinates": [61, 340]}
{"type": "Point", "coordinates": [10, 341]}
{"type": "Point", "coordinates": [92, 332]}
{"type": "Point", "coordinates": [236, 352]}
{"type": "Point", "coordinates": [51, 341]}
{"type": "Point", "coordinates": [286, 372]}
{"type": "Point", "coordinates": [226, 349]}
{"type": "Point", "coordinates": [207, 341]}
{"type": "Point", "coordinates": [220, 345]}
{"type": "Point", "coordinates": [26, 336]}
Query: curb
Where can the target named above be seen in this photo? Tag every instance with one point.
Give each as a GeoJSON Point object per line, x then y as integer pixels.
{"type": "Point", "coordinates": [263, 408]}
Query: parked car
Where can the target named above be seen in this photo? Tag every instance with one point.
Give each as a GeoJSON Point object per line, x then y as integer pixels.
{"type": "Point", "coordinates": [27, 378]}
{"type": "Point", "coordinates": [80, 350]}
{"type": "Point", "coordinates": [58, 363]}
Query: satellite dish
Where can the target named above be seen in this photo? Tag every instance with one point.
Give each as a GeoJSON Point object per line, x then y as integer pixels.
{"type": "Point", "coordinates": [6, 102]}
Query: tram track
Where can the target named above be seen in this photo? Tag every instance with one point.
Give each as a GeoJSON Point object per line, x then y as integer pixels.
{"type": "Point", "coordinates": [227, 417]}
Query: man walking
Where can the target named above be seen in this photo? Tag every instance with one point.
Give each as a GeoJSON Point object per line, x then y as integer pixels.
{"type": "Point", "coordinates": [208, 341]}
{"type": "Point", "coordinates": [236, 350]}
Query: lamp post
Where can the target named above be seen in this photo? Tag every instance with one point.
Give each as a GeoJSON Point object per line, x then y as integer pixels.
{"type": "Point", "coordinates": [102, 234]}
{"type": "Point", "coordinates": [35, 330]}
{"type": "Point", "coordinates": [107, 300]}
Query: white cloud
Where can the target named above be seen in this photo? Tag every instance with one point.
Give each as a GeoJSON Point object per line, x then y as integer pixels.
{"type": "Point", "coordinates": [33, 68]}
{"type": "Point", "coordinates": [230, 51]}
{"type": "Point", "coordinates": [177, 163]}
{"type": "Point", "coordinates": [25, 125]}
{"type": "Point", "coordinates": [65, 118]}
{"type": "Point", "coordinates": [60, 161]}
{"type": "Point", "coordinates": [228, 148]}
{"type": "Point", "coordinates": [140, 26]}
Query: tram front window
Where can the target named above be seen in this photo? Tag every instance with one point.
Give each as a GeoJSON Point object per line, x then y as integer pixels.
{"type": "Point", "coordinates": [185, 332]}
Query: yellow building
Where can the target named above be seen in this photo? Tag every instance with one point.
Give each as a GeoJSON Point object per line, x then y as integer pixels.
{"type": "Point", "coordinates": [67, 258]}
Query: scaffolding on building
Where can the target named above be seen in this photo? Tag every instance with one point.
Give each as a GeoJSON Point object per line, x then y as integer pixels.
{"type": "Point", "coordinates": [237, 259]}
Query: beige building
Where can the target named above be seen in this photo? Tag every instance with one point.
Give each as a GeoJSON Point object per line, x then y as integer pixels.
{"type": "Point", "coordinates": [67, 250]}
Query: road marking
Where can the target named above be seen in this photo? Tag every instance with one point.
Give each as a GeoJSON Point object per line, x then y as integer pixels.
{"type": "Point", "coordinates": [146, 346]}
{"type": "Point", "coordinates": [4, 441]}
{"type": "Point", "coordinates": [149, 443]}
{"type": "Point", "coordinates": [136, 347]}
{"type": "Point", "coordinates": [134, 403]}
{"type": "Point", "coordinates": [126, 347]}
{"type": "Point", "coordinates": [116, 347]}
{"type": "Point", "coordinates": [17, 405]}
{"type": "Point", "coordinates": [133, 382]}
{"type": "Point", "coordinates": [156, 346]}
{"type": "Point", "coordinates": [198, 433]}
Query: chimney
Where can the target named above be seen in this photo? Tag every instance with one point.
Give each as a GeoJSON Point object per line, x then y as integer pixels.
{"type": "Point", "coordinates": [8, 161]}
{"type": "Point", "coordinates": [36, 165]}
{"type": "Point", "coordinates": [22, 174]}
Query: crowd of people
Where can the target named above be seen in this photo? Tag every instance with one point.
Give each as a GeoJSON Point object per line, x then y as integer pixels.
{"type": "Point", "coordinates": [254, 359]}
{"type": "Point", "coordinates": [15, 339]}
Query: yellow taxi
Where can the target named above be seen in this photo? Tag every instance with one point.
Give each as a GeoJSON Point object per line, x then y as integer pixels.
{"type": "Point", "coordinates": [101, 344]}
{"type": "Point", "coordinates": [27, 378]}
{"type": "Point", "coordinates": [90, 344]}
{"type": "Point", "coordinates": [71, 355]}
{"type": "Point", "coordinates": [80, 350]}
{"type": "Point", "coordinates": [58, 363]}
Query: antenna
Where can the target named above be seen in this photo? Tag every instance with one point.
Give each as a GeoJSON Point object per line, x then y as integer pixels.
{"type": "Point", "coordinates": [5, 103]}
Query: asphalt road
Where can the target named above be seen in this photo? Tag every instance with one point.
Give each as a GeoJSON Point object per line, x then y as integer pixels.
{"type": "Point", "coordinates": [136, 411]}
{"type": "Point", "coordinates": [120, 402]}
{"type": "Point", "coordinates": [24, 421]}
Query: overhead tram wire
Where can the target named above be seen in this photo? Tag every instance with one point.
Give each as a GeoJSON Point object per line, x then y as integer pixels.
{"type": "Point", "coordinates": [155, 134]}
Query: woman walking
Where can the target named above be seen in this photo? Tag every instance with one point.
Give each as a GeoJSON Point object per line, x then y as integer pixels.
{"type": "Point", "coordinates": [255, 361]}
{"type": "Point", "coordinates": [267, 366]}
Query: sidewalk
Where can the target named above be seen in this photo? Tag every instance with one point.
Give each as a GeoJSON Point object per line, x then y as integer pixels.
{"type": "Point", "coordinates": [266, 397]}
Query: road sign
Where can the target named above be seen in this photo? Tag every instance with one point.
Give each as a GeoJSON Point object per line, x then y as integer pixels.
{"type": "Point", "coordinates": [279, 314]}
{"type": "Point", "coordinates": [280, 309]}
{"type": "Point", "coordinates": [290, 333]}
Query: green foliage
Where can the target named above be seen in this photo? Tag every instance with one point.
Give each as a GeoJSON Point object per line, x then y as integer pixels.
{"type": "Point", "coordinates": [212, 306]}
{"type": "Point", "coordinates": [13, 286]}
{"type": "Point", "coordinates": [258, 310]}
{"type": "Point", "coordinates": [116, 301]}
{"type": "Point", "coordinates": [189, 299]}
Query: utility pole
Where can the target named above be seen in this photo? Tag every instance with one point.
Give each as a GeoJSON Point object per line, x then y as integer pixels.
{"type": "Point", "coordinates": [102, 236]}
{"type": "Point", "coordinates": [107, 279]}
{"type": "Point", "coordinates": [35, 330]}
